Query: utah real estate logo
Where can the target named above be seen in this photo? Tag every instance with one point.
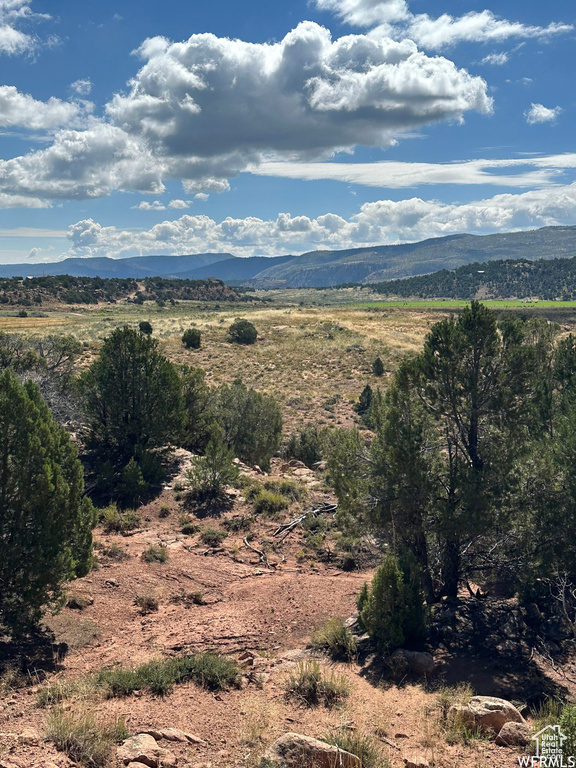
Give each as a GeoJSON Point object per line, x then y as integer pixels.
{"type": "Point", "coordinates": [549, 750]}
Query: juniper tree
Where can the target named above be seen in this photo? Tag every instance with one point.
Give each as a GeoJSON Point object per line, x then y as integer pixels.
{"type": "Point", "coordinates": [132, 399]}
{"type": "Point", "coordinates": [45, 523]}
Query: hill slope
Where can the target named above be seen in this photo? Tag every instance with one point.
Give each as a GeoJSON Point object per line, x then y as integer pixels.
{"type": "Point", "coordinates": [369, 265]}
{"type": "Point", "coordinates": [316, 269]}
{"type": "Point", "coordinates": [509, 279]}
{"type": "Point", "coordinates": [137, 266]}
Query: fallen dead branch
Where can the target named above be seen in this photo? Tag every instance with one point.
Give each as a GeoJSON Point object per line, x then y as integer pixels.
{"type": "Point", "coordinates": [287, 528]}
{"type": "Point", "coordinates": [259, 552]}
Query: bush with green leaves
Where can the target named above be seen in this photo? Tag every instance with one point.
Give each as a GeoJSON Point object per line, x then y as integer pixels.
{"type": "Point", "coordinates": [269, 503]}
{"type": "Point", "coordinates": [191, 338]}
{"type": "Point", "coordinates": [212, 537]}
{"type": "Point", "coordinates": [290, 489]}
{"type": "Point", "coordinates": [568, 728]}
{"type": "Point", "coordinates": [335, 638]}
{"type": "Point", "coordinates": [197, 401]}
{"type": "Point", "coordinates": [45, 522]}
{"type": "Point", "coordinates": [115, 521]}
{"type": "Point", "coordinates": [251, 422]}
{"type": "Point", "coordinates": [364, 401]}
{"type": "Point", "coordinates": [156, 553]}
{"type": "Point", "coordinates": [378, 367]}
{"type": "Point", "coordinates": [208, 670]}
{"type": "Point", "coordinates": [209, 474]}
{"type": "Point", "coordinates": [307, 445]}
{"type": "Point", "coordinates": [147, 603]}
{"type": "Point", "coordinates": [242, 331]}
{"type": "Point", "coordinates": [391, 610]}
{"type": "Point", "coordinates": [145, 327]}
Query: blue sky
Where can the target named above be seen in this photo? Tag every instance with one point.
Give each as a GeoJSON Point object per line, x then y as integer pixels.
{"type": "Point", "coordinates": [209, 125]}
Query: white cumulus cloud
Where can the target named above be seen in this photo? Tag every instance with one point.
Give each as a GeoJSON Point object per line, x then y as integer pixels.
{"type": "Point", "coordinates": [392, 17]}
{"type": "Point", "coordinates": [380, 222]}
{"type": "Point", "coordinates": [156, 205]}
{"type": "Point", "coordinates": [13, 15]}
{"type": "Point", "coordinates": [205, 109]}
{"type": "Point", "coordinates": [22, 110]}
{"type": "Point", "coordinates": [83, 164]}
{"type": "Point", "coordinates": [538, 113]}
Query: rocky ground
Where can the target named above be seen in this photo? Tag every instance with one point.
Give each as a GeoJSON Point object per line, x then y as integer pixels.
{"type": "Point", "coordinates": [257, 601]}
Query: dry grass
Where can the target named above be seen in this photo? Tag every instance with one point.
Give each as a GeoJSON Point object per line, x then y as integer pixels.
{"type": "Point", "coordinates": [258, 718]}
{"type": "Point", "coordinates": [83, 736]}
{"type": "Point", "coordinates": [313, 685]}
{"type": "Point", "coordinates": [314, 359]}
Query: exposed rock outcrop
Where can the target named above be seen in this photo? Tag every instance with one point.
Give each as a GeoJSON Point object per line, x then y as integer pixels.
{"type": "Point", "coordinates": [293, 750]}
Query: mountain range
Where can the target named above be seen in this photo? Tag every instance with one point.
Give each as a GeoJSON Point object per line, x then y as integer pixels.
{"type": "Point", "coordinates": [316, 269]}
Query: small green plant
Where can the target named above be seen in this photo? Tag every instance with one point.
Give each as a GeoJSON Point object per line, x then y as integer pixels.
{"type": "Point", "coordinates": [212, 537]}
{"type": "Point", "coordinates": [210, 473]}
{"type": "Point", "coordinates": [336, 639]}
{"type": "Point", "coordinates": [568, 728]}
{"type": "Point", "coordinates": [60, 690]}
{"type": "Point", "coordinates": [269, 503]}
{"type": "Point", "coordinates": [208, 670]}
{"type": "Point", "coordinates": [85, 738]}
{"type": "Point", "coordinates": [549, 713]}
{"type": "Point", "coordinates": [164, 511]}
{"type": "Point", "coordinates": [191, 338]}
{"type": "Point", "coordinates": [115, 552]}
{"type": "Point", "coordinates": [250, 487]}
{"type": "Point", "coordinates": [146, 603]}
{"type": "Point", "coordinates": [111, 519]}
{"type": "Point", "coordinates": [313, 686]}
{"type": "Point", "coordinates": [290, 489]}
{"type": "Point", "coordinates": [242, 331]}
{"type": "Point", "coordinates": [189, 529]}
{"type": "Point", "coordinates": [156, 553]}
{"type": "Point", "coordinates": [114, 521]}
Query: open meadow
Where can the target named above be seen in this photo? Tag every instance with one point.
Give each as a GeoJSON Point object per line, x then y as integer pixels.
{"type": "Point", "coordinates": [314, 351]}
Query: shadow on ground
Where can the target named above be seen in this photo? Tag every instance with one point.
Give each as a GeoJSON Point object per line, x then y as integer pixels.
{"type": "Point", "coordinates": [33, 657]}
